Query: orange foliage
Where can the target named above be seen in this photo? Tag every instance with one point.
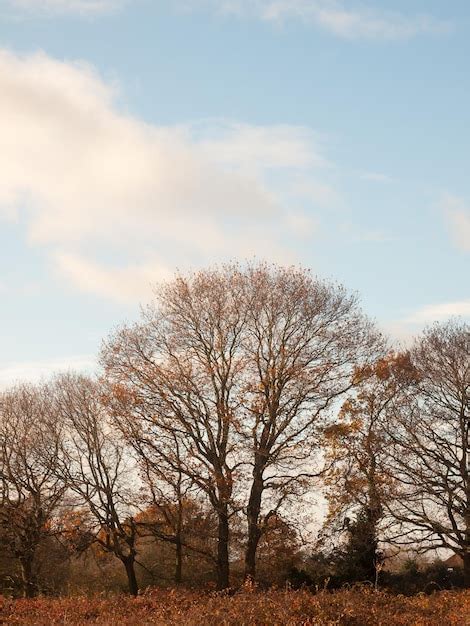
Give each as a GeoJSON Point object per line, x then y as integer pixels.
{"type": "Point", "coordinates": [362, 607]}
{"type": "Point", "coordinates": [396, 365]}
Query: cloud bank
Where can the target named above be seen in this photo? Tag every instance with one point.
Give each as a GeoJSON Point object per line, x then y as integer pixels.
{"type": "Point", "coordinates": [117, 203]}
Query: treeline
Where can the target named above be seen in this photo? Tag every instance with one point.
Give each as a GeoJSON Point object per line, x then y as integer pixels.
{"type": "Point", "coordinates": [212, 421]}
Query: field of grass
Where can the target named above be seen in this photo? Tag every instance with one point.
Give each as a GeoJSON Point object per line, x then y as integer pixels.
{"type": "Point", "coordinates": [356, 607]}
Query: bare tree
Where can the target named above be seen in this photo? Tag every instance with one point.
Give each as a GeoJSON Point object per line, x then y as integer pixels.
{"type": "Point", "coordinates": [303, 339]}
{"type": "Point", "coordinates": [239, 365]}
{"type": "Point", "coordinates": [183, 367]}
{"type": "Point", "coordinates": [430, 453]}
{"type": "Point", "coordinates": [30, 492]}
{"type": "Point", "coordinates": [95, 467]}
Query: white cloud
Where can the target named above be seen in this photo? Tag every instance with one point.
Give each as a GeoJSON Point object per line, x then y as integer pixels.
{"type": "Point", "coordinates": [335, 16]}
{"type": "Point", "coordinates": [439, 312]}
{"type": "Point", "coordinates": [257, 147]}
{"type": "Point", "coordinates": [130, 283]}
{"type": "Point", "coordinates": [301, 225]}
{"type": "Point", "coordinates": [404, 330]}
{"type": "Point", "coordinates": [115, 202]}
{"type": "Point", "coordinates": [457, 212]}
{"type": "Point", "coordinates": [399, 332]}
{"type": "Point", "coordinates": [54, 7]}
{"type": "Point", "coordinates": [376, 177]}
{"type": "Point", "coordinates": [36, 371]}
{"type": "Point", "coordinates": [318, 193]}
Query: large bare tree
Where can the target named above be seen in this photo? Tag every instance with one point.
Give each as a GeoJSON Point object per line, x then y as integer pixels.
{"type": "Point", "coordinates": [30, 491]}
{"type": "Point", "coordinates": [430, 454]}
{"type": "Point", "coordinates": [239, 364]}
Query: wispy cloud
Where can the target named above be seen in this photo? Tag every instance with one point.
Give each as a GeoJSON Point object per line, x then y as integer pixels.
{"type": "Point", "coordinates": [344, 19]}
{"type": "Point", "coordinates": [457, 213]}
{"type": "Point", "coordinates": [51, 8]}
{"type": "Point", "coordinates": [63, 7]}
{"type": "Point", "coordinates": [115, 202]}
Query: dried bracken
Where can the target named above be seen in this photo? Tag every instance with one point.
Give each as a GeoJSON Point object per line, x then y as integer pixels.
{"type": "Point", "coordinates": [358, 607]}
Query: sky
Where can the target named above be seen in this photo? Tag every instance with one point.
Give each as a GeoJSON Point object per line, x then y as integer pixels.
{"type": "Point", "coordinates": [143, 137]}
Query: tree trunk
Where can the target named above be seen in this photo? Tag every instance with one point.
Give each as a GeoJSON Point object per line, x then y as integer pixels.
{"type": "Point", "coordinates": [27, 577]}
{"type": "Point", "coordinates": [131, 577]}
{"type": "Point", "coordinates": [223, 568]}
{"type": "Point", "coordinates": [178, 534]}
{"type": "Point", "coordinates": [179, 561]}
{"type": "Point", "coordinates": [254, 532]}
{"type": "Point", "coordinates": [466, 570]}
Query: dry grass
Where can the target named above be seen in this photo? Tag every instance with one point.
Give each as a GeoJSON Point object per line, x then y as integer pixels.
{"type": "Point", "coordinates": [359, 607]}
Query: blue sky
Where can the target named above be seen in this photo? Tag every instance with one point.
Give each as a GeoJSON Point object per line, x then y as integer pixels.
{"type": "Point", "coordinates": [143, 136]}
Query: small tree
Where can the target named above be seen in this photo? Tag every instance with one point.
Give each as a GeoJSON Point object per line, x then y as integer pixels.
{"type": "Point", "coordinates": [169, 492]}
{"type": "Point", "coordinates": [279, 551]}
{"type": "Point", "coordinates": [94, 465]}
{"type": "Point", "coordinates": [30, 490]}
{"type": "Point", "coordinates": [187, 526]}
{"type": "Point", "coordinates": [358, 484]}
